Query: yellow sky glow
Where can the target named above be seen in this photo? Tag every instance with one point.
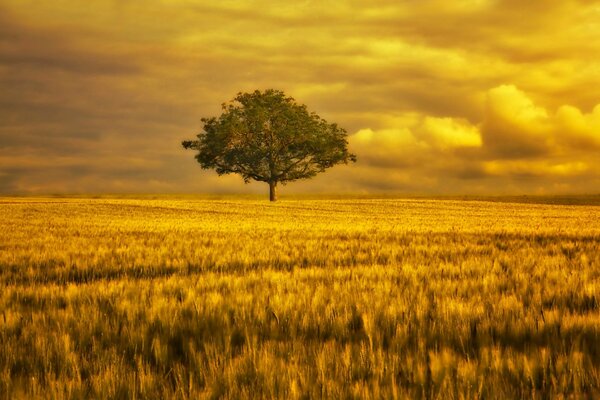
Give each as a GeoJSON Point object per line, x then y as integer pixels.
{"type": "Point", "coordinates": [440, 97]}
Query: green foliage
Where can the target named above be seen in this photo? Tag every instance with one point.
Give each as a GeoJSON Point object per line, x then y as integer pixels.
{"type": "Point", "coordinates": [268, 137]}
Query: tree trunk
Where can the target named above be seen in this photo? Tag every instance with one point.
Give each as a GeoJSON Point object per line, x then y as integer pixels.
{"type": "Point", "coordinates": [273, 191]}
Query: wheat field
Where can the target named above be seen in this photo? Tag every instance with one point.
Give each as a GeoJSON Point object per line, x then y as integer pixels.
{"type": "Point", "coordinates": [192, 297]}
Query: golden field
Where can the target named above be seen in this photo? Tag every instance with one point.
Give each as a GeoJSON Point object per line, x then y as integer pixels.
{"type": "Point", "coordinates": [232, 298]}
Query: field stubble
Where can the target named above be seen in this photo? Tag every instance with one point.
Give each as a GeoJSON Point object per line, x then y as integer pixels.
{"type": "Point", "coordinates": [358, 298]}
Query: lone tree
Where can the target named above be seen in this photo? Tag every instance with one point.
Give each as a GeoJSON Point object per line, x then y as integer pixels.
{"type": "Point", "coordinates": [268, 137]}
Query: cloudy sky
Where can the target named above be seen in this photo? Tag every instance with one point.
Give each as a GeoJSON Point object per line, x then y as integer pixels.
{"type": "Point", "coordinates": [442, 97]}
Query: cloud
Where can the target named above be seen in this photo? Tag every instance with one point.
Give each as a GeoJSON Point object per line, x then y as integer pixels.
{"type": "Point", "coordinates": [516, 141]}
{"type": "Point", "coordinates": [414, 141]}
{"type": "Point", "coordinates": [577, 129]}
{"type": "Point", "coordinates": [448, 133]}
{"type": "Point", "coordinates": [465, 96]}
{"type": "Point", "coordinates": [514, 126]}
{"type": "Point", "coordinates": [535, 168]}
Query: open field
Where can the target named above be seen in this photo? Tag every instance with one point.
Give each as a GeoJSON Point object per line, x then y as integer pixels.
{"type": "Point", "coordinates": [339, 298]}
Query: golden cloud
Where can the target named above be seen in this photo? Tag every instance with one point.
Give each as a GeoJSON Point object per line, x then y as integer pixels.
{"type": "Point", "coordinates": [439, 96]}
{"type": "Point", "coordinates": [577, 129]}
{"type": "Point", "coordinates": [513, 125]}
{"type": "Point", "coordinates": [516, 139]}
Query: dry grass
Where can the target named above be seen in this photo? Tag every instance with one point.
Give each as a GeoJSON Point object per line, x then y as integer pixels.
{"type": "Point", "coordinates": [238, 298]}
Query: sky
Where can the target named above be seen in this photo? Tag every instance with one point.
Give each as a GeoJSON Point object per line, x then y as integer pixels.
{"type": "Point", "coordinates": [438, 97]}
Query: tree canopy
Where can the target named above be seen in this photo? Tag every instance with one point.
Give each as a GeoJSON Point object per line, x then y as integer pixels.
{"type": "Point", "coordinates": [268, 137]}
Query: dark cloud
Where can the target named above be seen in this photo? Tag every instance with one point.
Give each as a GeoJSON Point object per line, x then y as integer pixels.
{"type": "Point", "coordinates": [438, 96]}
